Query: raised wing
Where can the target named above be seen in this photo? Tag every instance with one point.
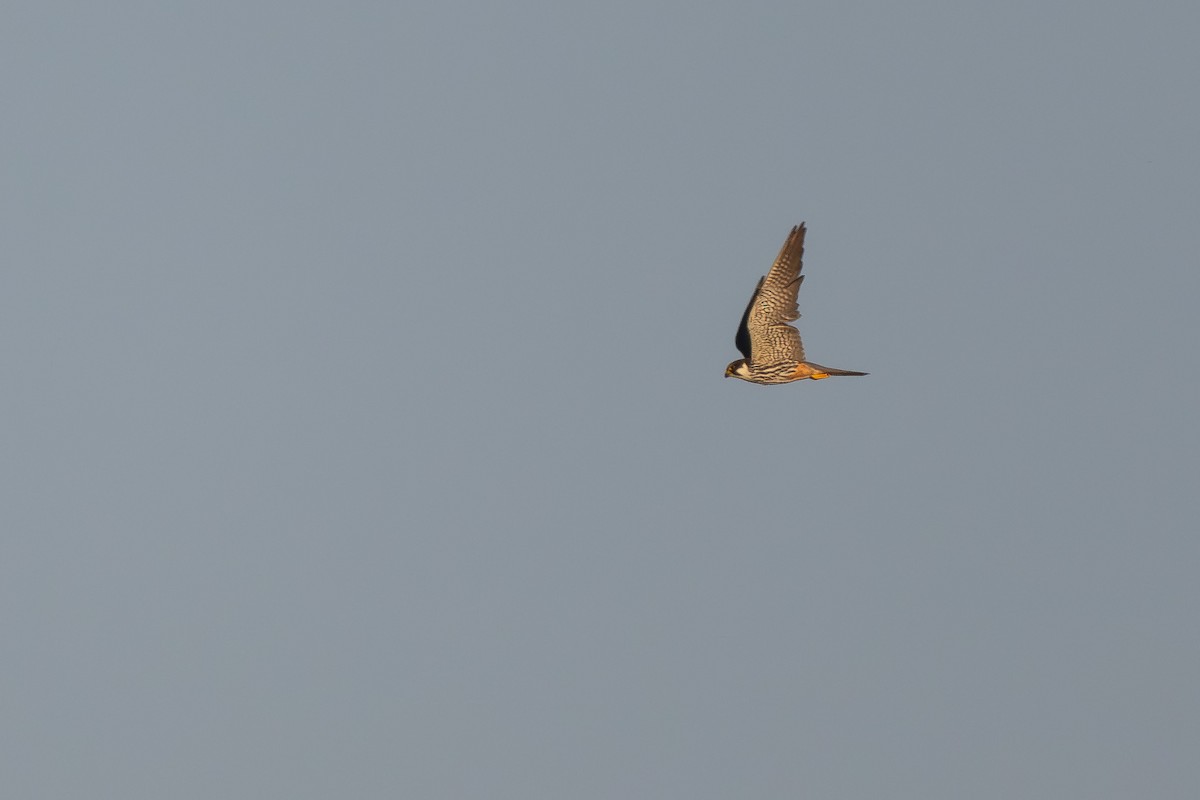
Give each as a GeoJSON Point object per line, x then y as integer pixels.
{"type": "Point", "coordinates": [743, 335]}
{"type": "Point", "coordinates": [765, 324]}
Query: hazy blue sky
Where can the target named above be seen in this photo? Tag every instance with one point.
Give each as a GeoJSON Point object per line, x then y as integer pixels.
{"type": "Point", "coordinates": [366, 433]}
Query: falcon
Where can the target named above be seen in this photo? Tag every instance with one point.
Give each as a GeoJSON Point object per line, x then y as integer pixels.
{"type": "Point", "coordinates": [772, 348]}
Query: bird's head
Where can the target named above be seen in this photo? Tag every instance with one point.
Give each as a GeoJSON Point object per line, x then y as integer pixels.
{"type": "Point", "coordinates": [737, 369]}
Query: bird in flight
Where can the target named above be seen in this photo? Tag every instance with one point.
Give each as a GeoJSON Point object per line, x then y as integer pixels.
{"type": "Point", "coordinates": [772, 348]}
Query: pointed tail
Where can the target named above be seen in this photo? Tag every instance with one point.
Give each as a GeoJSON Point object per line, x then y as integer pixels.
{"type": "Point", "coordinates": [832, 371]}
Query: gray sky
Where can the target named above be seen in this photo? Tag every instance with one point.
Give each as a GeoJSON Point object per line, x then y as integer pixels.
{"type": "Point", "coordinates": [367, 437]}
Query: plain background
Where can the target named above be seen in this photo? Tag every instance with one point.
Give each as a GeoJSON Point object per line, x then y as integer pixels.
{"type": "Point", "coordinates": [365, 435]}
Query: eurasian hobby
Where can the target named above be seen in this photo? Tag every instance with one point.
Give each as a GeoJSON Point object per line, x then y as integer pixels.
{"type": "Point", "coordinates": [772, 348]}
